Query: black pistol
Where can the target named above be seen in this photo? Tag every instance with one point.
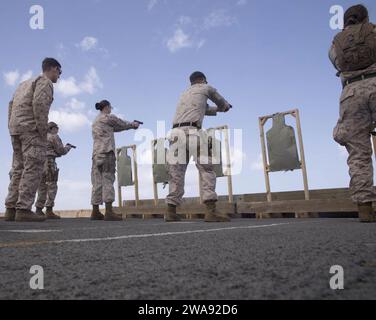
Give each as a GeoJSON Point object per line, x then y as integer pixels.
{"type": "Point", "coordinates": [72, 146]}
{"type": "Point", "coordinates": [139, 122]}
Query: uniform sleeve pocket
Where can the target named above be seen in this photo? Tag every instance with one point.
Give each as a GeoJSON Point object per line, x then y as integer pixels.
{"type": "Point", "coordinates": [347, 94]}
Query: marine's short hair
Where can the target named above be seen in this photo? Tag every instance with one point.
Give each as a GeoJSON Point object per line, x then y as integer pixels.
{"type": "Point", "coordinates": [197, 75]}
{"type": "Point", "coordinates": [355, 15]}
{"type": "Point", "coordinates": [49, 63]}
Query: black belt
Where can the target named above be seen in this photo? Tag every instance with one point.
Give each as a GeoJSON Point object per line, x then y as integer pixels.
{"type": "Point", "coordinates": [187, 124]}
{"type": "Point", "coordinates": [359, 78]}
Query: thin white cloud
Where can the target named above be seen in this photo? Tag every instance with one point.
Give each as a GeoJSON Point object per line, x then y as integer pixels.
{"type": "Point", "coordinates": [11, 77]}
{"type": "Point", "coordinates": [242, 2]}
{"type": "Point", "coordinates": [105, 53]}
{"type": "Point", "coordinates": [218, 18]}
{"type": "Point", "coordinates": [201, 43]}
{"type": "Point", "coordinates": [69, 121]}
{"type": "Point", "coordinates": [258, 165]}
{"type": "Point", "coordinates": [70, 87]}
{"type": "Point", "coordinates": [185, 39]}
{"type": "Point", "coordinates": [188, 31]}
{"type": "Point", "coordinates": [75, 104]}
{"type": "Point", "coordinates": [27, 75]}
{"type": "Point", "coordinates": [184, 20]}
{"type": "Point", "coordinates": [91, 82]}
{"type": "Point", "coordinates": [75, 116]}
{"type": "Point", "coordinates": [152, 4]}
{"type": "Point", "coordinates": [61, 50]}
{"type": "Point", "coordinates": [179, 41]}
{"type": "Point", "coordinates": [88, 43]}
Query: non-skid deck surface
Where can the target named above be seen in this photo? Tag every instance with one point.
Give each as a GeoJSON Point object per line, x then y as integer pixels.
{"type": "Point", "coordinates": [149, 259]}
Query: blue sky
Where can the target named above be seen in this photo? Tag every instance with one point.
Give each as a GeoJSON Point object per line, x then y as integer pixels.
{"type": "Point", "coordinates": [263, 56]}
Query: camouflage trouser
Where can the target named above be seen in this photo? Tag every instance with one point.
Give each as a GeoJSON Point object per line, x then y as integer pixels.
{"type": "Point", "coordinates": [48, 187]}
{"type": "Point", "coordinates": [29, 155]}
{"type": "Point", "coordinates": [357, 114]}
{"type": "Point", "coordinates": [194, 147]}
{"type": "Point", "coordinates": [103, 178]}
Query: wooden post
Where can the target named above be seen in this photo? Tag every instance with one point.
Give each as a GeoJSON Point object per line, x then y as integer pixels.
{"type": "Point", "coordinates": [119, 187]}
{"type": "Point", "coordinates": [262, 122]}
{"type": "Point", "coordinates": [302, 155]}
{"type": "Point", "coordinates": [228, 162]}
{"type": "Point", "coordinates": [155, 186]}
{"type": "Point", "coordinates": [135, 168]}
{"type": "Point", "coordinates": [200, 188]}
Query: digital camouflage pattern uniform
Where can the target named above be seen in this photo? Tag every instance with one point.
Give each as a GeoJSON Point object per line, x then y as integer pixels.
{"type": "Point", "coordinates": [190, 141]}
{"type": "Point", "coordinates": [104, 159]}
{"type": "Point", "coordinates": [357, 114]}
{"type": "Point", "coordinates": [28, 126]}
{"type": "Point", "coordinates": [48, 187]}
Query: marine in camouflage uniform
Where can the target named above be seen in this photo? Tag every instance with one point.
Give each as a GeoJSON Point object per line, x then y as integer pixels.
{"type": "Point", "coordinates": [28, 125]}
{"type": "Point", "coordinates": [353, 54]}
{"type": "Point", "coordinates": [104, 159]}
{"type": "Point", "coordinates": [48, 187]}
{"type": "Point", "coordinates": [187, 140]}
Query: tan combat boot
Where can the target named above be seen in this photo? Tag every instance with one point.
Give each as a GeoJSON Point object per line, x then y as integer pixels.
{"type": "Point", "coordinates": [51, 215]}
{"type": "Point", "coordinates": [366, 213]}
{"type": "Point", "coordinates": [171, 215]}
{"type": "Point", "coordinates": [212, 215]}
{"type": "Point", "coordinates": [96, 214]}
{"type": "Point", "coordinates": [10, 215]}
{"type": "Point", "coordinates": [39, 212]}
{"type": "Point", "coordinates": [28, 216]}
{"type": "Point", "coordinates": [110, 214]}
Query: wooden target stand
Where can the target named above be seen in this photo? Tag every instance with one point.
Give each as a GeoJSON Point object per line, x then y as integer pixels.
{"type": "Point", "coordinates": [155, 183]}
{"type": "Point", "coordinates": [191, 208]}
{"type": "Point", "coordinates": [135, 175]}
{"type": "Point", "coordinates": [225, 130]}
{"type": "Point", "coordinates": [268, 208]}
